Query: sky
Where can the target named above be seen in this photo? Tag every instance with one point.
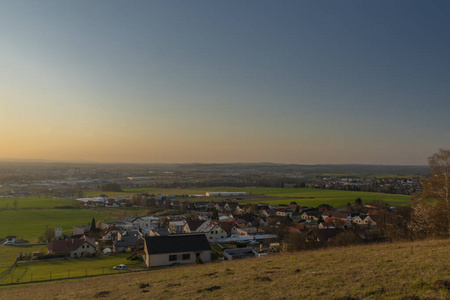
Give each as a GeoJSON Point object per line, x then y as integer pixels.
{"type": "Point", "coordinates": [304, 82]}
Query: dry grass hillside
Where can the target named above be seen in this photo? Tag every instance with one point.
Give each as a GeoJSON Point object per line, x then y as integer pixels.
{"type": "Point", "coordinates": [416, 270]}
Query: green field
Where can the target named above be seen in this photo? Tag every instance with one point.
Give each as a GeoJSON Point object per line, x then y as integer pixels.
{"type": "Point", "coordinates": [35, 202]}
{"type": "Point", "coordinates": [61, 269]}
{"type": "Point", "coordinates": [9, 253]}
{"type": "Point", "coordinates": [28, 224]}
{"type": "Point", "coordinates": [277, 196]}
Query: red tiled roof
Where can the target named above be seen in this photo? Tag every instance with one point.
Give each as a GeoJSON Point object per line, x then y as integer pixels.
{"type": "Point", "coordinates": [65, 246]}
{"type": "Point", "coordinates": [227, 226]}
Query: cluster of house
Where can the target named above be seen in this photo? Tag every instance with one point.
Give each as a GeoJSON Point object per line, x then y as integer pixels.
{"type": "Point", "coordinates": [175, 239]}
{"type": "Point", "coordinates": [406, 186]}
{"type": "Point", "coordinates": [105, 201]}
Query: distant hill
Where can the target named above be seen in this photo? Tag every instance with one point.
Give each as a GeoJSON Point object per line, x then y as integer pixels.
{"type": "Point", "coordinates": [226, 169]}
{"type": "Point", "coordinates": [414, 270]}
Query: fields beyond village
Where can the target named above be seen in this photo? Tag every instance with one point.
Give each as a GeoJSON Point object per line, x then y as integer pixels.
{"type": "Point", "coordinates": [410, 270]}
{"type": "Point", "coordinates": [274, 196]}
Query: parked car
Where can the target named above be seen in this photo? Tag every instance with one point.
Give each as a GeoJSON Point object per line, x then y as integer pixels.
{"type": "Point", "coordinates": [8, 243]}
{"type": "Point", "coordinates": [120, 267]}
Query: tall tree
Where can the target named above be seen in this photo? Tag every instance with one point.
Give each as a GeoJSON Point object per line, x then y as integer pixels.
{"type": "Point", "coordinates": [434, 218]}
{"type": "Point", "coordinates": [215, 214]}
{"type": "Point", "coordinates": [93, 227]}
{"type": "Point", "coordinates": [438, 184]}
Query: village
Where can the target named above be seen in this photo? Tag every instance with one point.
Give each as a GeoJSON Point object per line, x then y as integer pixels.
{"type": "Point", "coordinates": [206, 231]}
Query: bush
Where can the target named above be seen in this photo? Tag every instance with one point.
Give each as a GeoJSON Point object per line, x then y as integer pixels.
{"type": "Point", "coordinates": [199, 260]}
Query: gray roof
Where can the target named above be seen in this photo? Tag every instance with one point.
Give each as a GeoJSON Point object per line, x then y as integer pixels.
{"type": "Point", "coordinates": [177, 243]}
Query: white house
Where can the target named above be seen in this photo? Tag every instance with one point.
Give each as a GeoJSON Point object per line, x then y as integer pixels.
{"type": "Point", "coordinates": [177, 226]}
{"type": "Point", "coordinates": [147, 222]}
{"type": "Point", "coordinates": [110, 233]}
{"type": "Point", "coordinates": [72, 248]}
{"type": "Point", "coordinates": [212, 230]}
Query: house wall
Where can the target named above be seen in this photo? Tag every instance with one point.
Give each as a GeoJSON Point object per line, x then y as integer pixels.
{"type": "Point", "coordinates": [79, 252]}
{"type": "Point", "coordinates": [157, 260]}
{"type": "Point", "coordinates": [217, 233]}
{"type": "Point", "coordinates": [108, 235]}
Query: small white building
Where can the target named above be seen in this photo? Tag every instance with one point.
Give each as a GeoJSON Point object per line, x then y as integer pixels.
{"type": "Point", "coordinates": [58, 232]}
{"type": "Point", "coordinates": [225, 194]}
{"type": "Point", "coordinates": [10, 240]}
{"type": "Point", "coordinates": [177, 226]}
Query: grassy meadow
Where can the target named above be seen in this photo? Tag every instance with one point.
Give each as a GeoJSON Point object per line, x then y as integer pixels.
{"type": "Point", "coordinates": [412, 270]}
{"type": "Point", "coordinates": [28, 224]}
{"type": "Point", "coordinates": [9, 253]}
{"type": "Point", "coordinates": [36, 202]}
{"type": "Point", "coordinates": [275, 196]}
{"type": "Point", "coordinates": [70, 268]}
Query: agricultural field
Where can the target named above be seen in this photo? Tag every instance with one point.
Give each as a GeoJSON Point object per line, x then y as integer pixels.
{"type": "Point", "coordinates": [28, 224]}
{"type": "Point", "coordinates": [9, 253]}
{"type": "Point", "coordinates": [35, 202]}
{"type": "Point", "coordinates": [70, 268]}
{"type": "Point", "coordinates": [276, 196]}
{"type": "Point", "coordinates": [410, 270]}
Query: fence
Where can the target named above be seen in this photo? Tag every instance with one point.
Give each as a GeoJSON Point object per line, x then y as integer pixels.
{"type": "Point", "coordinates": [32, 275]}
{"type": "Point", "coordinates": [8, 271]}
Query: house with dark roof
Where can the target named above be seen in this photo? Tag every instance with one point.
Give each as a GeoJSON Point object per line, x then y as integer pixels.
{"type": "Point", "coordinates": [311, 215]}
{"type": "Point", "coordinates": [191, 226]}
{"type": "Point", "coordinates": [126, 241]}
{"type": "Point", "coordinates": [176, 249]}
{"type": "Point", "coordinates": [336, 215]}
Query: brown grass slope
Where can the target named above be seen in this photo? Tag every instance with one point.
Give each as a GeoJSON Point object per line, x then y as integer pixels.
{"type": "Point", "coordinates": [414, 270]}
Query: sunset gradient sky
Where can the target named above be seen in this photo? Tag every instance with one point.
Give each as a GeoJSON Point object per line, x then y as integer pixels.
{"type": "Point", "coordinates": [225, 81]}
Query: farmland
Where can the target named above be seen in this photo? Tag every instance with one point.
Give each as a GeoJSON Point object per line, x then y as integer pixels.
{"type": "Point", "coordinates": [37, 202]}
{"type": "Point", "coordinates": [28, 224]}
{"type": "Point", "coordinates": [275, 196]}
{"type": "Point", "coordinates": [9, 253]}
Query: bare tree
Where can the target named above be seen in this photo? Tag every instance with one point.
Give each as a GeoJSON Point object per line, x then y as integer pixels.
{"type": "Point", "coordinates": [438, 185]}
{"type": "Point", "coordinates": [435, 217]}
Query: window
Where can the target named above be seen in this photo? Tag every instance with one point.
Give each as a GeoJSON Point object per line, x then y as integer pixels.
{"type": "Point", "coordinates": [187, 256]}
{"type": "Point", "coordinates": [82, 246]}
{"type": "Point", "coordinates": [172, 258]}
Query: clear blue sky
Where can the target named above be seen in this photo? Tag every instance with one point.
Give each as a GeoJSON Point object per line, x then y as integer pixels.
{"type": "Point", "coordinates": [225, 81]}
